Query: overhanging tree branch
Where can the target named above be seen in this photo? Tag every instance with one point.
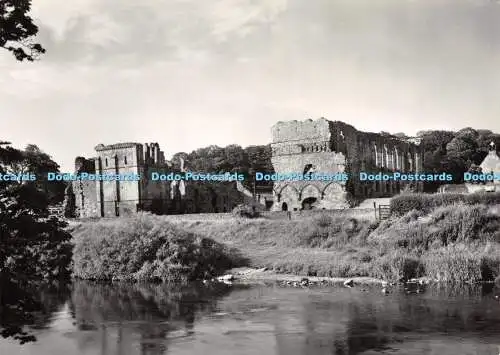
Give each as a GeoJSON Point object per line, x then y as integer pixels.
{"type": "Point", "coordinates": [17, 30]}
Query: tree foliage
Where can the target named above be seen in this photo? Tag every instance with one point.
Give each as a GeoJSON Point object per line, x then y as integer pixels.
{"type": "Point", "coordinates": [33, 160]}
{"type": "Point", "coordinates": [34, 249]}
{"type": "Point", "coordinates": [455, 152]}
{"type": "Point", "coordinates": [233, 158]}
{"type": "Point", "coordinates": [17, 30]}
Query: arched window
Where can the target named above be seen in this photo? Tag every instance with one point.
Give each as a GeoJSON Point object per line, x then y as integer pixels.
{"type": "Point", "coordinates": [380, 158]}
{"type": "Point", "coordinates": [308, 169]}
{"type": "Point", "coordinates": [387, 160]}
{"type": "Point", "coordinates": [396, 159]}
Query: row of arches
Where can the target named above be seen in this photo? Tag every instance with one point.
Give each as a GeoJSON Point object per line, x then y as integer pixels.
{"type": "Point", "coordinates": [392, 158]}
{"type": "Point", "coordinates": [308, 190]}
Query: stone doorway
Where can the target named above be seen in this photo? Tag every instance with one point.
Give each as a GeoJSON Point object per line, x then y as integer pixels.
{"type": "Point", "coordinates": [284, 207]}
{"type": "Point", "coordinates": [308, 203]}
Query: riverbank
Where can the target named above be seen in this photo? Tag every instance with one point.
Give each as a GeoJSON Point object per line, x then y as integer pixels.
{"type": "Point", "coordinates": [458, 243]}
{"type": "Point", "coordinates": [247, 275]}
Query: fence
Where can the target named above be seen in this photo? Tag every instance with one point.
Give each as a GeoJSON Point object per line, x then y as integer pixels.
{"type": "Point", "coordinates": [57, 210]}
{"type": "Point", "coordinates": [384, 211]}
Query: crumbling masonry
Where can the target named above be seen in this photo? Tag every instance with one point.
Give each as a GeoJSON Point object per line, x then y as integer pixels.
{"type": "Point", "coordinates": [336, 147]}
{"type": "Point", "coordinates": [118, 198]}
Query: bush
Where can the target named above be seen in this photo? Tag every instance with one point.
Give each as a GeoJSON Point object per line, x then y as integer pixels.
{"type": "Point", "coordinates": [490, 198]}
{"type": "Point", "coordinates": [443, 226]}
{"type": "Point", "coordinates": [398, 266]}
{"type": "Point", "coordinates": [145, 248]}
{"type": "Point", "coordinates": [457, 263]}
{"type": "Point", "coordinates": [323, 220]}
{"type": "Point", "coordinates": [246, 211]}
{"type": "Point", "coordinates": [463, 223]}
{"type": "Point", "coordinates": [403, 204]}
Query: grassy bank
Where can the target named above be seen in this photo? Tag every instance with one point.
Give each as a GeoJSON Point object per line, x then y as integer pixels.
{"type": "Point", "coordinates": [458, 243]}
{"type": "Point", "coordinates": [146, 248]}
{"type": "Point", "coordinates": [455, 243]}
{"type": "Point", "coordinates": [405, 203]}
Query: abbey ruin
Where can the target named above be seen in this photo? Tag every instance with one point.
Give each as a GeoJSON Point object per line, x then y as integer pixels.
{"type": "Point", "coordinates": [336, 147]}
{"type": "Point", "coordinates": [87, 198]}
{"type": "Point", "coordinates": [297, 147]}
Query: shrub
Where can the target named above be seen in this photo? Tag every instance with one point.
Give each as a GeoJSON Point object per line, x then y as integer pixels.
{"type": "Point", "coordinates": [454, 264]}
{"type": "Point", "coordinates": [403, 204]}
{"type": "Point", "coordinates": [463, 223]}
{"type": "Point", "coordinates": [398, 266]}
{"type": "Point", "coordinates": [323, 220]}
{"type": "Point", "coordinates": [490, 198]}
{"type": "Point", "coordinates": [490, 268]}
{"type": "Point", "coordinates": [246, 211]}
{"type": "Point", "coordinates": [443, 226]}
{"type": "Point", "coordinates": [145, 247]}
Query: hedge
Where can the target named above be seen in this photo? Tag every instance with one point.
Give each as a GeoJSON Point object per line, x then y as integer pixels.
{"type": "Point", "coordinates": [403, 204]}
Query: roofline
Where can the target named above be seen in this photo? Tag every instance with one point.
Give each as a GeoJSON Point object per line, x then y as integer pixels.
{"type": "Point", "coordinates": [102, 147]}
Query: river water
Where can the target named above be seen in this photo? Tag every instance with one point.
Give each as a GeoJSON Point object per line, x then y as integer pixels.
{"type": "Point", "coordinates": [90, 319]}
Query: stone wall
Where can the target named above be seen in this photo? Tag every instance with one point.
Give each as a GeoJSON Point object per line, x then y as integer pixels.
{"type": "Point", "coordinates": [81, 196]}
{"type": "Point", "coordinates": [208, 197]}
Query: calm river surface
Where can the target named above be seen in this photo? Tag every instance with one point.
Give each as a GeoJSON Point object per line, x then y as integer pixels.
{"type": "Point", "coordinates": [220, 319]}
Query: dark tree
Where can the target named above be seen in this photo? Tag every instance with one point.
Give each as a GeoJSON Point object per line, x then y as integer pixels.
{"type": "Point", "coordinates": [233, 158]}
{"type": "Point", "coordinates": [35, 161]}
{"type": "Point", "coordinates": [17, 30]}
{"type": "Point", "coordinates": [34, 249]}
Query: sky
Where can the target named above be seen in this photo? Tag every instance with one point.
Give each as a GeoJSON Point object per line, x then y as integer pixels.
{"type": "Point", "coordinates": [191, 73]}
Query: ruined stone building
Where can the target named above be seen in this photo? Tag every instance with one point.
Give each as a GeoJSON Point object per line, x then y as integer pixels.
{"type": "Point", "coordinates": [489, 165]}
{"type": "Point", "coordinates": [86, 198]}
{"type": "Point", "coordinates": [335, 147]}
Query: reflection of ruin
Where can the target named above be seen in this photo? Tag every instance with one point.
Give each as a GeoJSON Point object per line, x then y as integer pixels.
{"type": "Point", "coordinates": [124, 319]}
{"type": "Point", "coordinates": [327, 147]}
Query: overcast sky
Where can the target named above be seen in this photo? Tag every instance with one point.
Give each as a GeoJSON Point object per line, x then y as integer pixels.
{"type": "Point", "coordinates": [190, 73]}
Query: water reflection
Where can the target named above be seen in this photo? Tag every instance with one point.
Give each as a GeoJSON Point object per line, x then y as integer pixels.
{"type": "Point", "coordinates": [117, 316]}
{"type": "Point", "coordinates": [29, 307]}
{"type": "Point", "coordinates": [219, 319]}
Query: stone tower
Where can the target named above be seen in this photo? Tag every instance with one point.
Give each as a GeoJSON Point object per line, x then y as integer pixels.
{"type": "Point", "coordinates": [117, 198]}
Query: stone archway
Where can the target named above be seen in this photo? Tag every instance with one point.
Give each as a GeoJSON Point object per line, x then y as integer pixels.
{"type": "Point", "coordinates": [308, 203]}
{"type": "Point", "coordinates": [284, 206]}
